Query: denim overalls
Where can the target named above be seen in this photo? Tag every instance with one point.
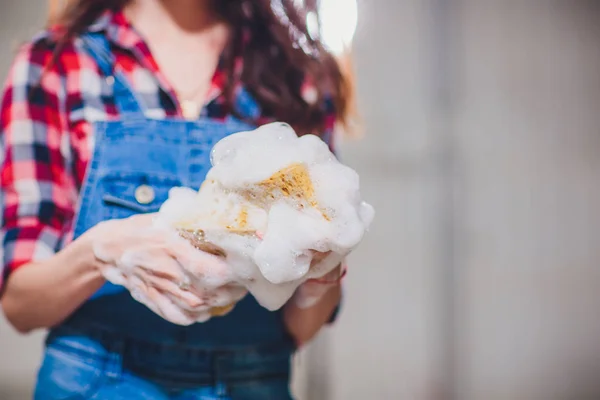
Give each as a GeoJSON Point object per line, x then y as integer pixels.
{"type": "Point", "coordinates": [114, 347]}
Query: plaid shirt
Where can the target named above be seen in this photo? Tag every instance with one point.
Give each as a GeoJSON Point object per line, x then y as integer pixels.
{"type": "Point", "coordinates": [46, 137]}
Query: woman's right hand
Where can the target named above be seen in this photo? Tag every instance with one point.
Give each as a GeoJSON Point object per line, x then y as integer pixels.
{"type": "Point", "coordinates": [164, 271]}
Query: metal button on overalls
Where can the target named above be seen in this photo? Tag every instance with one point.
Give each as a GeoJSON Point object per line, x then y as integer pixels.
{"type": "Point", "coordinates": [144, 194]}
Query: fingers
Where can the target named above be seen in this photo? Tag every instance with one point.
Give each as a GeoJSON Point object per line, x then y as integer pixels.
{"type": "Point", "coordinates": [155, 260]}
{"type": "Point", "coordinates": [168, 310]}
{"type": "Point", "coordinates": [151, 299]}
{"type": "Point", "coordinates": [163, 304]}
{"type": "Point", "coordinates": [327, 265]}
{"type": "Point", "coordinates": [184, 299]}
{"type": "Point", "coordinates": [165, 274]}
{"type": "Point", "coordinates": [157, 270]}
{"type": "Point", "coordinates": [153, 263]}
{"type": "Point", "coordinates": [318, 256]}
{"type": "Point", "coordinates": [195, 298]}
{"type": "Point", "coordinates": [113, 275]}
{"type": "Point", "coordinates": [308, 294]}
{"type": "Point", "coordinates": [160, 304]}
{"type": "Point", "coordinates": [209, 270]}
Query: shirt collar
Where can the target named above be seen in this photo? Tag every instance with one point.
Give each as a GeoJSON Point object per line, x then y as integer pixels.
{"type": "Point", "coordinates": [118, 30]}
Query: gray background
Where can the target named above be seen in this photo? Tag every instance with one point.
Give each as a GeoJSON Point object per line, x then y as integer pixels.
{"type": "Point", "coordinates": [479, 279]}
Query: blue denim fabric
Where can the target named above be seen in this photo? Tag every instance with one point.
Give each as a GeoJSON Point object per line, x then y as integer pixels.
{"type": "Point", "coordinates": [105, 367]}
{"type": "Point", "coordinates": [113, 347]}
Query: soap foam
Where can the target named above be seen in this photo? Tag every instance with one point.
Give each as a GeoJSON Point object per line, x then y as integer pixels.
{"type": "Point", "coordinates": [291, 189]}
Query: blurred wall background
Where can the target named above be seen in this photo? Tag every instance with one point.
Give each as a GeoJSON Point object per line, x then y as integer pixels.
{"type": "Point", "coordinates": [480, 277]}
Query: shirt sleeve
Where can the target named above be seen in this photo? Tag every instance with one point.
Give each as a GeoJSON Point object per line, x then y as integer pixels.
{"type": "Point", "coordinates": [34, 200]}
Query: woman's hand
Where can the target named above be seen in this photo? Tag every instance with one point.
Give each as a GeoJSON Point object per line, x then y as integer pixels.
{"type": "Point", "coordinates": [163, 271]}
{"type": "Point", "coordinates": [312, 291]}
{"type": "Point", "coordinates": [313, 304]}
{"type": "Point", "coordinates": [315, 300]}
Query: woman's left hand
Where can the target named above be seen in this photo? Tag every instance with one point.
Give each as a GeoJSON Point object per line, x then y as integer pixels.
{"type": "Point", "coordinates": [312, 291]}
{"type": "Point", "coordinates": [313, 304]}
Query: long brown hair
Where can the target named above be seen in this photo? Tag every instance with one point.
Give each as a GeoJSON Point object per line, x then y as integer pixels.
{"type": "Point", "coordinates": [279, 56]}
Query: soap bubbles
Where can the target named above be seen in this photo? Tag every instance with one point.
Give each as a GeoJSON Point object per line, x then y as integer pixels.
{"type": "Point", "coordinates": [291, 189]}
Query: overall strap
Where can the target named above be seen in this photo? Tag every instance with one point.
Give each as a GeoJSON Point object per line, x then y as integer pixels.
{"type": "Point", "coordinates": [97, 45]}
{"type": "Point", "coordinates": [246, 104]}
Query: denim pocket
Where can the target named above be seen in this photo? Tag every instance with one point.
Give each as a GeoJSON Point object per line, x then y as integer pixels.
{"type": "Point", "coordinates": [68, 374]}
{"type": "Point", "coordinates": [126, 194]}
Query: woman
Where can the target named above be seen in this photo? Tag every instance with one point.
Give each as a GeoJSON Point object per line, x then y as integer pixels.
{"type": "Point", "coordinates": [105, 111]}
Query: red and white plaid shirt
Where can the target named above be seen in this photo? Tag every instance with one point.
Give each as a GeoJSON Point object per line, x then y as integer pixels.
{"type": "Point", "coordinates": [46, 137]}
